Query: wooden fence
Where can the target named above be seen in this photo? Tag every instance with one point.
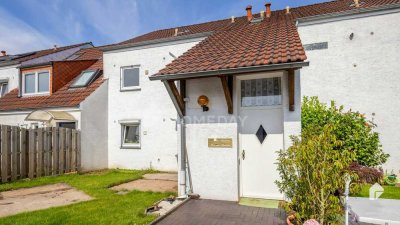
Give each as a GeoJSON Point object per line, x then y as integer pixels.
{"type": "Point", "coordinates": [30, 153]}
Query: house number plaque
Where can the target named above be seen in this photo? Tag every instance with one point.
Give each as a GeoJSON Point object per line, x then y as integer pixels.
{"type": "Point", "coordinates": [220, 142]}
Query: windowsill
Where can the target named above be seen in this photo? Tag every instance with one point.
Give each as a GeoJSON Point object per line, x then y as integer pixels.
{"type": "Point", "coordinates": [35, 94]}
{"type": "Point", "coordinates": [130, 147]}
{"type": "Point", "coordinates": [138, 88]}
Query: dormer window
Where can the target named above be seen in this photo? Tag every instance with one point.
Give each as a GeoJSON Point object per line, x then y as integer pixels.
{"type": "Point", "coordinates": [85, 78]}
{"type": "Point", "coordinates": [36, 83]}
{"type": "Point", "coordinates": [3, 88]}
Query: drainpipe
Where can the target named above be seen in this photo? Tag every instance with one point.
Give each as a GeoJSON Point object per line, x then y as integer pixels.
{"type": "Point", "coordinates": [182, 172]}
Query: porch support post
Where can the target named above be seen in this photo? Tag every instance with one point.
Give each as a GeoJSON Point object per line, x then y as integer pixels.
{"type": "Point", "coordinates": [291, 89]}
{"type": "Point", "coordinates": [175, 97]}
{"type": "Point", "coordinates": [228, 93]}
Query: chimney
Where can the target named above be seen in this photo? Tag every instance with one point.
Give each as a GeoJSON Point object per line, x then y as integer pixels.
{"type": "Point", "coordinates": [268, 9]}
{"type": "Point", "coordinates": [55, 47]}
{"type": "Point", "coordinates": [262, 13]}
{"type": "Point", "coordinates": [3, 53]}
{"type": "Point", "coordinates": [287, 9]}
{"type": "Point", "coordinates": [176, 32]}
{"type": "Point", "coordinates": [249, 13]}
{"type": "Point", "coordinates": [232, 19]}
{"type": "Point", "coordinates": [357, 3]}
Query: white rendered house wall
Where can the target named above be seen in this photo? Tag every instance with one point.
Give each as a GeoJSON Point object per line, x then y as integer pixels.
{"type": "Point", "coordinates": [360, 70]}
{"type": "Point", "coordinates": [149, 104]}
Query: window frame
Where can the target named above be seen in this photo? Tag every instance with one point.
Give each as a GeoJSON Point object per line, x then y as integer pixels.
{"type": "Point", "coordinates": [124, 124]}
{"type": "Point", "coordinates": [260, 106]}
{"type": "Point", "coordinates": [61, 122]}
{"type": "Point", "coordinates": [36, 74]}
{"type": "Point", "coordinates": [130, 88]}
{"type": "Point", "coordinates": [93, 78]}
{"type": "Point", "coordinates": [2, 83]}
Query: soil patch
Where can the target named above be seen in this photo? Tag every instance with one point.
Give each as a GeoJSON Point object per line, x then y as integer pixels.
{"type": "Point", "coordinates": [42, 197]}
{"type": "Point", "coordinates": [157, 182]}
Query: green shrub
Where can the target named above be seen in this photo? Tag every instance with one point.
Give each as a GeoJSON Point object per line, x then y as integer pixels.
{"type": "Point", "coordinates": [312, 171]}
{"type": "Point", "coordinates": [352, 128]}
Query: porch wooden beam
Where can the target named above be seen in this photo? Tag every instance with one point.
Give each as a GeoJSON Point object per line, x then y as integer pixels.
{"type": "Point", "coordinates": [291, 89]}
{"type": "Point", "coordinates": [175, 97]}
{"type": "Point", "coordinates": [228, 93]}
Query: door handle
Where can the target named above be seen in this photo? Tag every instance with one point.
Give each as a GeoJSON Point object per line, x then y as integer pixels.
{"type": "Point", "coordinates": [243, 154]}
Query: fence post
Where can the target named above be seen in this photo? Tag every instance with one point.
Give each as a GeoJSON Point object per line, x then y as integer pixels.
{"type": "Point", "coordinates": [78, 151]}
{"type": "Point", "coordinates": [39, 168]}
{"type": "Point", "coordinates": [68, 151]}
{"type": "Point", "coordinates": [4, 153]}
{"type": "Point", "coordinates": [73, 153]}
{"type": "Point", "coordinates": [14, 153]}
{"type": "Point", "coordinates": [23, 153]}
{"type": "Point", "coordinates": [55, 149]}
{"type": "Point", "coordinates": [32, 147]}
{"type": "Point", "coordinates": [61, 155]}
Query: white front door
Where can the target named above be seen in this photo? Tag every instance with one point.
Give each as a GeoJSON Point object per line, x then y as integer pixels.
{"type": "Point", "coordinates": [260, 135]}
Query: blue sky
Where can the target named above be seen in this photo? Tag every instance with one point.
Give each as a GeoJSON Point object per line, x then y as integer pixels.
{"type": "Point", "coordinates": [27, 25]}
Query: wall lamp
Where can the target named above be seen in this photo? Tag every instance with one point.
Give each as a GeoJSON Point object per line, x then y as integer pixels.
{"type": "Point", "coordinates": [203, 102]}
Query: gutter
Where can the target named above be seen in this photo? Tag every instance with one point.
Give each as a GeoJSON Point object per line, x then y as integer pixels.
{"type": "Point", "coordinates": [355, 13]}
{"type": "Point", "coordinates": [156, 41]}
{"type": "Point", "coordinates": [251, 69]}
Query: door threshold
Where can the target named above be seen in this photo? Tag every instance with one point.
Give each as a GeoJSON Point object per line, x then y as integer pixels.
{"type": "Point", "coordinates": [259, 202]}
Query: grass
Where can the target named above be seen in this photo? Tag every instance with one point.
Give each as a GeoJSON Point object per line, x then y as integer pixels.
{"type": "Point", "coordinates": [107, 207]}
{"type": "Point", "coordinates": [390, 192]}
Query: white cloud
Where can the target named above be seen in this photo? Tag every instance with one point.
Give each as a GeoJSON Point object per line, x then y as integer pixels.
{"type": "Point", "coordinates": [17, 36]}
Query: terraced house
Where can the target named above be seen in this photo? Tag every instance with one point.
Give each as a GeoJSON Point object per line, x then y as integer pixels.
{"type": "Point", "coordinates": [60, 87]}
{"type": "Point", "coordinates": [215, 101]}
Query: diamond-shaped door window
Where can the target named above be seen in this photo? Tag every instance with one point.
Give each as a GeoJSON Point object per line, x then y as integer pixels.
{"type": "Point", "coordinates": [261, 134]}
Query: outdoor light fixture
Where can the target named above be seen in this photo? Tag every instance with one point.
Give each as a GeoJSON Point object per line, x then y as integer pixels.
{"type": "Point", "coordinates": [203, 102]}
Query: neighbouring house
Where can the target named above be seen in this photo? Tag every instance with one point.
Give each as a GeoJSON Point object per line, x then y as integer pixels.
{"type": "Point", "coordinates": [63, 89]}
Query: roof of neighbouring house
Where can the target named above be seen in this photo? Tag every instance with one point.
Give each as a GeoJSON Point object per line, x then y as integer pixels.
{"type": "Point", "coordinates": [63, 97]}
{"type": "Point", "coordinates": [243, 44]}
{"type": "Point", "coordinates": [30, 56]}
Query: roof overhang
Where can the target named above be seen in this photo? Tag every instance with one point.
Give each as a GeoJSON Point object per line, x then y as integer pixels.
{"type": "Point", "coordinates": [156, 41]}
{"type": "Point", "coordinates": [48, 116]}
{"type": "Point", "coordinates": [232, 71]}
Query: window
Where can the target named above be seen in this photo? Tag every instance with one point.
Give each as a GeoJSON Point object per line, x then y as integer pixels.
{"type": "Point", "coordinates": [36, 83]}
{"type": "Point", "coordinates": [3, 88]}
{"type": "Point", "coordinates": [85, 78]}
{"type": "Point", "coordinates": [130, 78]}
{"type": "Point", "coordinates": [71, 125]}
{"type": "Point", "coordinates": [261, 92]}
{"type": "Point", "coordinates": [130, 135]}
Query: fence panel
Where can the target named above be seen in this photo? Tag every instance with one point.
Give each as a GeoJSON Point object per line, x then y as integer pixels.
{"type": "Point", "coordinates": [38, 152]}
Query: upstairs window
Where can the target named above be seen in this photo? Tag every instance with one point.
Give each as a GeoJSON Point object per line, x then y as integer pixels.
{"type": "Point", "coordinates": [3, 88]}
{"type": "Point", "coordinates": [130, 78]}
{"type": "Point", "coordinates": [85, 78]}
{"type": "Point", "coordinates": [36, 83]}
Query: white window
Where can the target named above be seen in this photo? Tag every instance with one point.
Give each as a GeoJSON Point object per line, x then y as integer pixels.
{"type": "Point", "coordinates": [3, 88]}
{"type": "Point", "coordinates": [85, 78]}
{"type": "Point", "coordinates": [71, 125]}
{"type": "Point", "coordinates": [130, 134]}
{"type": "Point", "coordinates": [36, 83]}
{"type": "Point", "coordinates": [261, 92]}
{"type": "Point", "coordinates": [130, 78]}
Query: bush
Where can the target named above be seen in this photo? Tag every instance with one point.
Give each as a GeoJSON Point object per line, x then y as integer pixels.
{"type": "Point", "coordinates": [366, 174]}
{"type": "Point", "coordinates": [312, 171]}
{"type": "Point", "coordinates": [352, 128]}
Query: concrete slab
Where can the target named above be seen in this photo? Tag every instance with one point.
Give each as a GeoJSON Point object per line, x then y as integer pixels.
{"type": "Point", "coordinates": [380, 211]}
{"type": "Point", "coordinates": [42, 197]}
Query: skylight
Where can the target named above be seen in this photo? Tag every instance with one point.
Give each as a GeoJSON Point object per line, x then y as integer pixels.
{"type": "Point", "coordinates": [85, 78]}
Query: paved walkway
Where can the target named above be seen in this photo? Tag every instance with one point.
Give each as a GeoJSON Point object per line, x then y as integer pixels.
{"type": "Point", "coordinates": [378, 211]}
{"type": "Point", "coordinates": [211, 212]}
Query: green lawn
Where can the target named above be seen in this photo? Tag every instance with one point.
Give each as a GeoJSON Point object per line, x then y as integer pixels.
{"type": "Point", "coordinates": [106, 208]}
{"type": "Point", "coordinates": [390, 192]}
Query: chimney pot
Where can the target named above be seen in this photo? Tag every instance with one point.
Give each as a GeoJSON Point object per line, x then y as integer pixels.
{"type": "Point", "coordinates": [287, 9]}
{"type": "Point", "coordinates": [357, 3]}
{"type": "Point", "coordinates": [249, 13]}
{"type": "Point", "coordinates": [55, 47]}
{"type": "Point", "coordinates": [4, 53]}
{"type": "Point", "coordinates": [176, 32]}
{"type": "Point", "coordinates": [262, 13]}
{"type": "Point", "coordinates": [232, 19]}
{"type": "Point", "coordinates": [268, 9]}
